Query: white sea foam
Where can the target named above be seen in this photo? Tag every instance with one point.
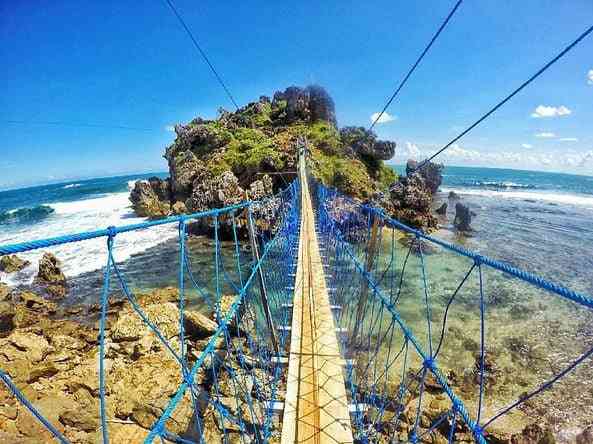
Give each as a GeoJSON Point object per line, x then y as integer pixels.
{"type": "Point", "coordinates": [72, 185]}
{"type": "Point", "coordinates": [85, 215]}
{"type": "Point", "coordinates": [544, 196]}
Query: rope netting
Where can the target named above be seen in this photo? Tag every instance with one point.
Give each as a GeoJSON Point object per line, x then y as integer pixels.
{"type": "Point", "coordinates": [227, 385]}
{"type": "Point", "coordinates": [396, 329]}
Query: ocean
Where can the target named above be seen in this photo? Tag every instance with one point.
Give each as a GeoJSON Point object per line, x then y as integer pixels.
{"type": "Point", "coordinates": [539, 221]}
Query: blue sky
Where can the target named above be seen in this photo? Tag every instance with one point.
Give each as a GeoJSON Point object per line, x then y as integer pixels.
{"type": "Point", "coordinates": [130, 63]}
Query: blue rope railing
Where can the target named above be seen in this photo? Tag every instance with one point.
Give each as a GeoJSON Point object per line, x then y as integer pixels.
{"type": "Point", "coordinates": [278, 215]}
{"type": "Point", "coordinates": [380, 345]}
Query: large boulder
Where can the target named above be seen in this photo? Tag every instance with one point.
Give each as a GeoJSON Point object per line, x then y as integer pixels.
{"type": "Point", "coordinates": [430, 171]}
{"type": "Point", "coordinates": [51, 276]}
{"type": "Point", "coordinates": [183, 167]}
{"type": "Point", "coordinates": [151, 198]}
{"type": "Point", "coordinates": [12, 263]}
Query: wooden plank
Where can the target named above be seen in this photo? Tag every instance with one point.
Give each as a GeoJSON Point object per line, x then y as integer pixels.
{"type": "Point", "coordinates": [316, 408]}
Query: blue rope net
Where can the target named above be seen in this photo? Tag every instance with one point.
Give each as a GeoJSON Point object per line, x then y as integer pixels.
{"type": "Point", "coordinates": [227, 385]}
{"type": "Point", "coordinates": [395, 349]}
{"type": "Point", "coordinates": [395, 328]}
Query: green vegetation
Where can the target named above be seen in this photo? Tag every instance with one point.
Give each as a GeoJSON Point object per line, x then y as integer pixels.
{"type": "Point", "coordinates": [324, 136]}
{"type": "Point", "coordinates": [249, 149]}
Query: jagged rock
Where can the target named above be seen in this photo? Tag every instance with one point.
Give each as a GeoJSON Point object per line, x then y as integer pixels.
{"type": "Point", "coordinates": [12, 263]}
{"type": "Point", "coordinates": [130, 326]}
{"type": "Point", "coordinates": [442, 210]}
{"type": "Point", "coordinates": [51, 275]}
{"type": "Point", "coordinates": [42, 370]}
{"type": "Point", "coordinates": [463, 217]}
{"type": "Point", "coordinates": [453, 195]}
{"type": "Point", "coordinates": [431, 172]}
{"type": "Point", "coordinates": [184, 168]}
{"type": "Point", "coordinates": [151, 198]}
{"type": "Point", "coordinates": [216, 192]}
{"type": "Point", "coordinates": [35, 302]}
{"type": "Point", "coordinates": [410, 201]}
{"type": "Point", "coordinates": [365, 143]}
{"type": "Point", "coordinates": [310, 104]}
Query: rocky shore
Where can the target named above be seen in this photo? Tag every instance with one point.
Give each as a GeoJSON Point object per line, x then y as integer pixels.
{"type": "Point", "coordinates": [55, 362]}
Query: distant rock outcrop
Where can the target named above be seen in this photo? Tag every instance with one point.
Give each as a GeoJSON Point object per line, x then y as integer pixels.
{"type": "Point", "coordinates": [463, 217]}
{"type": "Point", "coordinates": [151, 198]}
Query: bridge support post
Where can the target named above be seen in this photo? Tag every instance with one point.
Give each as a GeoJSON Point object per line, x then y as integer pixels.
{"type": "Point", "coordinates": [262, 282]}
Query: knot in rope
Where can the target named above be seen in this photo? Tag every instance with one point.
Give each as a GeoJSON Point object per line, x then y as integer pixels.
{"type": "Point", "coordinates": [111, 231]}
{"type": "Point", "coordinates": [429, 363]}
{"type": "Point", "coordinates": [478, 260]}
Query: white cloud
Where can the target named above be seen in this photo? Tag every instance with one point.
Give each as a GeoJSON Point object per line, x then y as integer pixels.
{"type": "Point", "coordinates": [526, 145]}
{"type": "Point", "coordinates": [385, 117]}
{"type": "Point", "coordinates": [550, 111]}
{"type": "Point", "coordinates": [545, 135]}
{"type": "Point", "coordinates": [411, 151]}
{"type": "Point", "coordinates": [170, 128]}
{"type": "Point", "coordinates": [590, 77]}
{"type": "Point", "coordinates": [568, 139]}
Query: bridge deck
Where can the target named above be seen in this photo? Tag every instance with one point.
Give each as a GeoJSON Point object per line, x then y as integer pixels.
{"type": "Point", "coordinates": [316, 406]}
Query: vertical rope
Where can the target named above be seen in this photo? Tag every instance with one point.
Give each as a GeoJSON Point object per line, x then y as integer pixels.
{"type": "Point", "coordinates": [102, 325]}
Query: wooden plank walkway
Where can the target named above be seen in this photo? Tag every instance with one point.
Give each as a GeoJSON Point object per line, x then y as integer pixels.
{"type": "Point", "coordinates": [316, 406]}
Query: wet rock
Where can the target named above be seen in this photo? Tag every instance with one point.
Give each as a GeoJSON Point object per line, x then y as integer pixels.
{"type": "Point", "coordinates": [51, 275]}
{"type": "Point", "coordinates": [442, 210]}
{"type": "Point", "coordinates": [431, 173]}
{"type": "Point", "coordinates": [463, 217]}
{"type": "Point", "coordinates": [453, 195]}
{"type": "Point", "coordinates": [151, 198]}
{"type": "Point", "coordinates": [12, 263]}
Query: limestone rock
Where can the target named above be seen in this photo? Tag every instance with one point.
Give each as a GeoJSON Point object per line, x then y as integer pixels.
{"type": "Point", "coordinates": [35, 346]}
{"type": "Point", "coordinates": [198, 326]}
{"type": "Point", "coordinates": [431, 172]}
{"type": "Point", "coordinates": [307, 104]}
{"type": "Point", "coordinates": [364, 142]}
{"type": "Point", "coordinates": [12, 263]}
{"type": "Point", "coordinates": [151, 198]}
{"type": "Point", "coordinates": [130, 326]}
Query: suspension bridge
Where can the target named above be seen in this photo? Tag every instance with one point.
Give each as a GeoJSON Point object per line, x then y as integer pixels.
{"type": "Point", "coordinates": [310, 336]}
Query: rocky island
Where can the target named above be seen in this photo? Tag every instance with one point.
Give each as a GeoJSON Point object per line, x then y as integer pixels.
{"type": "Point", "coordinates": [253, 152]}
